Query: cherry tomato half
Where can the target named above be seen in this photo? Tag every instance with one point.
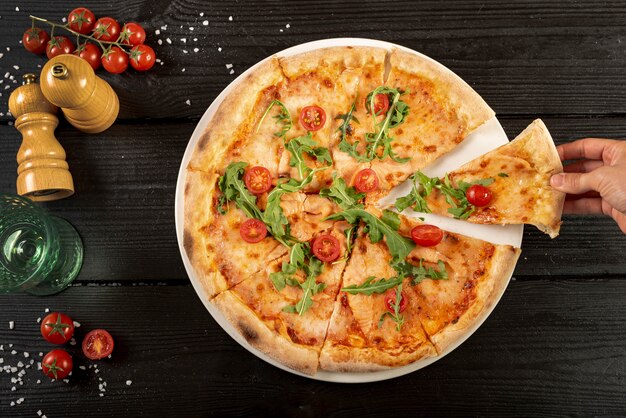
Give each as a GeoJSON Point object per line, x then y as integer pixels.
{"type": "Point", "coordinates": [57, 364]}
{"type": "Point", "coordinates": [59, 45]}
{"type": "Point", "coordinates": [312, 118]}
{"type": "Point", "coordinates": [426, 235]}
{"type": "Point", "coordinates": [253, 231]}
{"type": "Point", "coordinates": [114, 60]}
{"type": "Point", "coordinates": [479, 195]}
{"type": "Point", "coordinates": [97, 344]}
{"type": "Point", "coordinates": [142, 57]}
{"type": "Point", "coordinates": [390, 301]}
{"type": "Point", "coordinates": [106, 29]}
{"type": "Point", "coordinates": [366, 181]}
{"type": "Point", "coordinates": [35, 40]}
{"type": "Point", "coordinates": [90, 53]}
{"type": "Point", "coordinates": [326, 247]}
{"type": "Point", "coordinates": [57, 328]}
{"type": "Point", "coordinates": [132, 34]}
{"type": "Point", "coordinates": [81, 20]}
{"type": "Point", "coordinates": [381, 104]}
{"type": "Point", "coordinates": [258, 179]}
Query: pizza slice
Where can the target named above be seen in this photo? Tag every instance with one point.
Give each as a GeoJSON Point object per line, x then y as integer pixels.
{"type": "Point", "coordinates": [508, 185]}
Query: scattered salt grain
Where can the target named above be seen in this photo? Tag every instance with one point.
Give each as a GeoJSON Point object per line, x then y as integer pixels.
{"type": "Point", "coordinates": [82, 367]}
{"type": "Point", "coordinates": [191, 28]}
{"type": "Point", "coordinates": [13, 389]}
{"type": "Point", "coordinates": [39, 413]}
{"type": "Point", "coordinates": [76, 324]}
{"type": "Point", "coordinates": [168, 40]}
{"type": "Point", "coordinates": [2, 347]}
{"type": "Point", "coordinates": [38, 381]}
{"type": "Point", "coordinates": [8, 48]}
{"type": "Point", "coordinates": [7, 74]}
{"type": "Point", "coordinates": [201, 14]}
{"type": "Point", "coordinates": [287, 25]}
{"type": "Point", "coordinates": [219, 49]}
{"type": "Point", "coordinates": [229, 66]}
{"type": "Point", "coordinates": [26, 354]}
{"type": "Point", "coordinates": [17, 9]}
{"type": "Point", "coordinates": [183, 40]}
{"type": "Point", "coordinates": [164, 27]}
{"type": "Point", "coordinates": [205, 23]}
{"type": "Point", "coordinates": [1, 55]}
{"type": "Point", "coordinates": [183, 70]}
{"type": "Point", "coordinates": [1, 360]}
{"type": "Point", "coordinates": [230, 18]}
{"type": "Point", "coordinates": [40, 354]}
{"type": "Point", "coordinates": [160, 42]}
{"type": "Point", "coordinates": [129, 382]}
{"type": "Point", "coordinates": [232, 72]}
{"type": "Point", "coordinates": [39, 320]}
{"type": "Point", "coordinates": [157, 32]}
{"type": "Point", "coordinates": [13, 352]}
{"type": "Point", "coordinates": [66, 380]}
{"type": "Point", "coordinates": [101, 394]}
{"type": "Point", "coordinates": [280, 30]}
{"type": "Point", "coordinates": [196, 50]}
{"type": "Point", "coordinates": [188, 102]}
{"type": "Point", "coordinates": [46, 310]}
{"type": "Point", "coordinates": [16, 67]}
{"type": "Point", "coordinates": [185, 51]}
{"type": "Point", "coordinates": [64, 19]}
{"type": "Point", "coordinates": [11, 324]}
{"type": "Point", "coordinates": [12, 403]}
{"type": "Point", "coordinates": [20, 364]}
{"type": "Point", "coordinates": [195, 39]}
{"type": "Point", "coordinates": [73, 341]}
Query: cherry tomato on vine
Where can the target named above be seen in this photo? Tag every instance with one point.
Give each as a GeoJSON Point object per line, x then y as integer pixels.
{"type": "Point", "coordinates": [426, 235]}
{"type": "Point", "coordinates": [81, 20]}
{"type": "Point", "coordinates": [326, 247]}
{"type": "Point", "coordinates": [478, 195]}
{"type": "Point", "coordinates": [142, 57]}
{"type": "Point", "coordinates": [390, 301]}
{"type": "Point", "coordinates": [106, 29]}
{"type": "Point", "coordinates": [258, 179]}
{"type": "Point", "coordinates": [35, 40]}
{"type": "Point", "coordinates": [57, 328]}
{"type": "Point", "coordinates": [114, 60]}
{"type": "Point", "coordinates": [253, 231]}
{"type": "Point", "coordinates": [57, 364]}
{"type": "Point", "coordinates": [312, 118]}
{"type": "Point", "coordinates": [59, 45]}
{"type": "Point", "coordinates": [132, 34]}
{"type": "Point", "coordinates": [366, 181]}
{"type": "Point", "coordinates": [381, 104]}
{"type": "Point", "coordinates": [90, 53]}
{"type": "Point", "coordinates": [98, 344]}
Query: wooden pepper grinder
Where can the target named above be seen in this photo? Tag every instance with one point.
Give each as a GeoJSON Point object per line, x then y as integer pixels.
{"type": "Point", "coordinates": [87, 101]}
{"type": "Point", "coordinates": [42, 172]}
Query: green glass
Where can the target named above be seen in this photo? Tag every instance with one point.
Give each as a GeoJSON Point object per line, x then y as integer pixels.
{"type": "Point", "coordinates": [39, 253]}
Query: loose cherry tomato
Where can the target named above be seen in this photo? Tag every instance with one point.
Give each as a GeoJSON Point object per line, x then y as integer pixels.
{"type": "Point", "coordinates": [142, 57]}
{"type": "Point", "coordinates": [312, 118]}
{"type": "Point", "coordinates": [106, 29]}
{"type": "Point", "coordinates": [97, 344]}
{"type": "Point", "coordinates": [366, 181]}
{"type": "Point", "coordinates": [132, 34]}
{"type": "Point", "coordinates": [90, 53]}
{"type": "Point", "coordinates": [426, 235]}
{"type": "Point", "coordinates": [478, 195]}
{"type": "Point", "coordinates": [35, 40]}
{"type": "Point", "coordinates": [390, 301]}
{"type": "Point", "coordinates": [57, 328]}
{"type": "Point", "coordinates": [326, 247]}
{"type": "Point", "coordinates": [114, 60]}
{"type": "Point", "coordinates": [57, 364]}
{"type": "Point", "coordinates": [253, 231]}
{"type": "Point", "coordinates": [258, 179]}
{"type": "Point", "coordinates": [381, 104]}
{"type": "Point", "coordinates": [59, 45]}
{"type": "Point", "coordinates": [81, 20]}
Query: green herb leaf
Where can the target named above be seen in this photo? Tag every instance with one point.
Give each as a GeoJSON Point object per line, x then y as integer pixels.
{"type": "Point", "coordinates": [283, 118]}
{"type": "Point", "coordinates": [371, 286]}
{"type": "Point", "coordinates": [346, 197]}
{"type": "Point", "coordinates": [234, 189]}
{"type": "Point", "coordinates": [460, 207]}
{"type": "Point", "coordinates": [503, 175]}
{"type": "Point", "coordinates": [306, 144]}
{"type": "Point", "coordinates": [379, 141]}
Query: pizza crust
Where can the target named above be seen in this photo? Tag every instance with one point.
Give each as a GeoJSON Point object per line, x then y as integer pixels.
{"type": "Point", "coordinates": [346, 57]}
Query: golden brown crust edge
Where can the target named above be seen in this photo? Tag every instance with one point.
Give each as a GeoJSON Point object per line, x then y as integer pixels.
{"type": "Point", "coordinates": [489, 290]}
{"type": "Point", "coordinates": [257, 334]}
{"type": "Point", "coordinates": [471, 107]}
{"type": "Point", "coordinates": [346, 57]}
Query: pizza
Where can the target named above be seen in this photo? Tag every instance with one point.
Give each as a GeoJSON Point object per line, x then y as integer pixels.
{"type": "Point", "coordinates": [283, 229]}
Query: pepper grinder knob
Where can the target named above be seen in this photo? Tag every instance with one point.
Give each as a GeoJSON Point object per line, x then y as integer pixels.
{"type": "Point", "coordinates": [42, 172]}
{"type": "Point", "coordinates": [87, 101]}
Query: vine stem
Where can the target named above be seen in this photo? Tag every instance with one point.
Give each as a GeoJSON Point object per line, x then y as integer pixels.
{"type": "Point", "coordinates": [80, 35]}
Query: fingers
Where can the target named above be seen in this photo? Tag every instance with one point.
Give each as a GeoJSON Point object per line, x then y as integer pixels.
{"type": "Point", "coordinates": [584, 206]}
{"type": "Point", "coordinates": [591, 194]}
{"type": "Point", "coordinates": [583, 166]}
{"type": "Point", "coordinates": [589, 148]}
{"type": "Point", "coordinates": [578, 183]}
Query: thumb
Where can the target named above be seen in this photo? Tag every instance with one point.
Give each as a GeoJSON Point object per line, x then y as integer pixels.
{"type": "Point", "coordinates": [575, 183]}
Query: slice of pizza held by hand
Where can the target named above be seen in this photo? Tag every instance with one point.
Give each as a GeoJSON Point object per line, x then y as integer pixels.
{"type": "Point", "coordinates": [509, 185]}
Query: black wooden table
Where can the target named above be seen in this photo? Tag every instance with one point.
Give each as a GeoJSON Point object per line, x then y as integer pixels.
{"type": "Point", "coordinates": [555, 344]}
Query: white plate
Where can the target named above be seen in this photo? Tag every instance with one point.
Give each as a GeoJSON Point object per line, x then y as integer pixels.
{"type": "Point", "coordinates": [486, 138]}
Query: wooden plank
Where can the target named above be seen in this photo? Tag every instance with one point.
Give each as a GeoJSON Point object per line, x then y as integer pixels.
{"type": "Point", "coordinates": [550, 347]}
{"type": "Point", "coordinates": [124, 205]}
{"type": "Point", "coordinates": [524, 58]}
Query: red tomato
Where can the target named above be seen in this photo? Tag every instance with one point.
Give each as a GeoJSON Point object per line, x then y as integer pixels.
{"type": "Point", "coordinates": [142, 57]}
{"type": "Point", "coordinates": [381, 104]}
{"type": "Point", "coordinates": [57, 328]}
{"type": "Point", "coordinates": [59, 45]}
{"type": "Point", "coordinates": [253, 231]}
{"type": "Point", "coordinates": [390, 301]}
{"type": "Point", "coordinates": [35, 40]}
{"type": "Point", "coordinates": [81, 20]}
{"type": "Point", "coordinates": [326, 247]}
{"type": "Point", "coordinates": [478, 195]}
{"type": "Point", "coordinates": [133, 34]}
{"type": "Point", "coordinates": [366, 181]}
{"type": "Point", "coordinates": [106, 29]}
{"type": "Point", "coordinates": [426, 235]}
{"type": "Point", "coordinates": [258, 179]}
{"type": "Point", "coordinates": [90, 53]}
{"type": "Point", "coordinates": [97, 344]}
{"type": "Point", "coordinates": [114, 60]}
{"type": "Point", "coordinates": [57, 364]}
{"type": "Point", "coordinates": [312, 118]}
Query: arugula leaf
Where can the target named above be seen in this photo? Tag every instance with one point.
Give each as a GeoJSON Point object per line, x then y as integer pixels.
{"type": "Point", "coordinates": [503, 175]}
{"type": "Point", "coordinates": [371, 286]}
{"type": "Point", "coordinates": [346, 197]}
{"type": "Point", "coordinates": [234, 189]}
{"type": "Point", "coordinates": [306, 144]}
{"type": "Point", "coordinates": [283, 118]}
{"type": "Point", "coordinates": [395, 316]}
{"type": "Point", "coordinates": [346, 130]}
{"type": "Point", "coordinates": [460, 208]}
{"type": "Point", "coordinates": [309, 286]}
{"type": "Point", "coordinates": [420, 273]}
{"type": "Point", "coordinates": [398, 110]}
{"type": "Point", "coordinates": [416, 197]}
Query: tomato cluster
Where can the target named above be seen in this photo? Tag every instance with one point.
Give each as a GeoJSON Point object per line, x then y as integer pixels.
{"type": "Point", "coordinates": [118, 46]}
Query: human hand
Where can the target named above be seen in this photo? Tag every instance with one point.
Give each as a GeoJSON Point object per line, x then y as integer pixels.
{"type": "Point", "coordinates": [596, 182]}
